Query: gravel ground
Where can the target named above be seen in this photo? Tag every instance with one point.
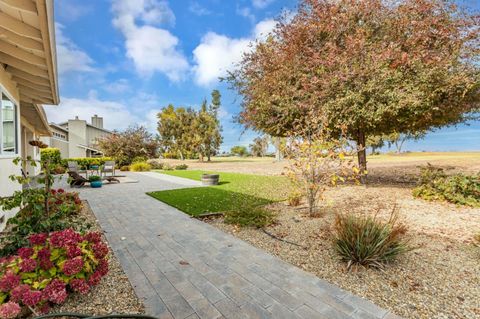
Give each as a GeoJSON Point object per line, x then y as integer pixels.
{"type": "Point", "coordinates": [438, 279]}
{"type": "Point", "coordinates": [114, 294]}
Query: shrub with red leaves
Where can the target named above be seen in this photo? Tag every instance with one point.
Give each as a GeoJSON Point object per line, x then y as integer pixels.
{"type": "Point", "coordinates": [56, 264]}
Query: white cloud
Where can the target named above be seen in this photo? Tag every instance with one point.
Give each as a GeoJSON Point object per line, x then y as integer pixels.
{"type": "Point", "coordinates": [260, 4]}
{"type": "Point", "coordinates": [72, 10]}
{"type": "Point", "coordinates": [217, 53]}
{"type": "Point", "coordinates": [115, 114]}
{"type": "Point", "coordinates": [246, 13]}
{"type": "Point", "coordinates": [263, 28]}
{"type": "Point", "coordinates": [70, 57]}
{"type": "Point", "coordinates": [152, 49]}
{"type": "Point", "coordinates": [119, 86]}
{"type": "Point", "coordinates": [197, 9]}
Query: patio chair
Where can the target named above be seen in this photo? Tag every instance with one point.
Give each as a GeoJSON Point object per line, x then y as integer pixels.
{"type": "Point", "coordinates": [76, 180]}
{"type": "Point", "coordinates": [74, 167]}
{"type": "Point", "coordinates": [108, 167]}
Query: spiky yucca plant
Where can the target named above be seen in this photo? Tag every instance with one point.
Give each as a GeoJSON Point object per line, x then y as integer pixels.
{"type": "Point", "coordinates": [369, 241]}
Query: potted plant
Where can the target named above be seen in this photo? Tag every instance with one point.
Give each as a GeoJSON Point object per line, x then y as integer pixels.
{"type": "Point", "coordinates": [95, 181]}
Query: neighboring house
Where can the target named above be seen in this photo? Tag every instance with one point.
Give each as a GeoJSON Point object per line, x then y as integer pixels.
{"type": "Point", "coordinates": [28, 79]}
{"type": "Point", "coordinates": [77, 138]}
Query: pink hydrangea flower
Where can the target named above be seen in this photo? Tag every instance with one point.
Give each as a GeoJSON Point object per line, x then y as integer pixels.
{"type": "Point", "coordinates": [73, 266]}
{"type": "Point", "coordinates": [6, 260]}
{"type": "Point", "coordinates": [32, 297]}
{"type": "Point", "coordinates": [9, 281]}
{"type": "Point", "coordinates": [95, 278]}
{"type": "Point", "coordinates": [17, 293]}
{"type": "Point", "coordinates": [9, 310]}
{"type": "Point", "coordinates": [25, 252]}
{"type": "Point", "coordinates": [100, 250]}
{"type": "Point", "coordinates": [38, 239]}
{"type": "Point", "coordinates": [55, 292]}
{"type": "Point", "coordinates": [73, 251]}
{"type": "Point", "coordinates": [65, 238]}
{"type": "Point", "coordinates": [28, 265]}
{"type": "Point", "coordinates": [44, 258]}
{"type": "Point", "coordinates": [93, 237]}
{"type": "Point", "coordinates": [43, 308]}
{"type": "Point", "coordinates": [80, 286]}
{"type": "Point", "coordinates": [102, 267]}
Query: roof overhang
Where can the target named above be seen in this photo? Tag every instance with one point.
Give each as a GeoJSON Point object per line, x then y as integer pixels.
{"type": "Point", "coordinates": [35, 115]}
{"type": "Point", "coordinates": [89, 148]}
{"type": "Point", "coordinates": [27, 49]}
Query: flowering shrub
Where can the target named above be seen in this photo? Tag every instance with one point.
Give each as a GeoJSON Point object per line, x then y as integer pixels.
{"type": "Point", "coordinates": [33, 219]}
{"type": "Point", "coordinates": [48, 269]}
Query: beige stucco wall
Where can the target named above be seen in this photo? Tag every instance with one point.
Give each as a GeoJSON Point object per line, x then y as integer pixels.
{"type": "Point", "coordinates": [77, 132]}
{"type": "Point", "coordinates": [93, 134]}
{"type": "Point", "coordinates": [7, 168]}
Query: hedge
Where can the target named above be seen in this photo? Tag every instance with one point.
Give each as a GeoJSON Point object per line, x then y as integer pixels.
{"type": "Point", "coordinates": [87, 161]}
{"type": "Point", "coordinates": [51, 153]}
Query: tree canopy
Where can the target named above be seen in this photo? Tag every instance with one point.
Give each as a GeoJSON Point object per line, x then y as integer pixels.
{"type": "Point", "coordinates": [367, 67]}
{"type": "Point", "coordinates": [134, 142]}
{"type": "Point", "coordinates": [187, 133]}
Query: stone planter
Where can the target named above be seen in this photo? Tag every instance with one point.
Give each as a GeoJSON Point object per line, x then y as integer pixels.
{"type": "Point", "coordinates": [210, 179]}
{"type": "Point", "coordinates": [96, 184]}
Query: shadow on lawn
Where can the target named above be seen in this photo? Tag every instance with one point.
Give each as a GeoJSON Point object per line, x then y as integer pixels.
{"type": "Point", "coordinates": [200, 200]}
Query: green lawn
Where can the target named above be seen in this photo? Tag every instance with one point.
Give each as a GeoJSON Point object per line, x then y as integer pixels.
{"type": "Point", "coordinates": [235, 192]}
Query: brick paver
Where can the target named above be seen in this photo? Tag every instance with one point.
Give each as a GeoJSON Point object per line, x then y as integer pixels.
{"type": "Point", "coordinates": [184, 268]}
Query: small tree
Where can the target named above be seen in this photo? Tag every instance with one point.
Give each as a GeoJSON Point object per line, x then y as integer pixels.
{"type": "Point", "coordinates": [317, 163]}
{"type": "Point", "coordinates": [134, 142]}
{"type": "Point", "coordinates": [259, 147]}
{"type": "Point", "coordinates": [239, 151]}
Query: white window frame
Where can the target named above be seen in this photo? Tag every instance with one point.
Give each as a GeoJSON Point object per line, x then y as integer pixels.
{"type": "Point", "coordinates": [17, 124]}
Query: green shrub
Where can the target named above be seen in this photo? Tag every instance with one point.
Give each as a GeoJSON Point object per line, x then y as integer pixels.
{"type": "Point", "coordinates": [85, 162]}
{"type": "Point", "coordinates": [170, 155]}
{"type": "Point", "coordinates": [250, 217]}
{"type": "Point", "coordinates": [139, 159]}
{"type": "Point", "coordinates": [367, 241]}
{"type": "Point", "coordinates": [140, 167]}
{"type": "Point", "coordinates": [167, 167]}
{"type": "Point", "coordinates": [155, 163]}
{"type": "Point", "coordinates": [181, 167]}
{"type": "Point", "coordinates": [125, 168]}
{"type": "Point", "coordinates": [32, 217]}
{"type": "Point", "coordinates": [459, 189]}
{"type": "Point", "coordinates": [52, 154]}
{"type": "Point", "coordinates": [94, 178]}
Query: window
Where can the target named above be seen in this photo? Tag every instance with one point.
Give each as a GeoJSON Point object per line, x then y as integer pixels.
{"type": "Point", "coordinates": [8, 127]}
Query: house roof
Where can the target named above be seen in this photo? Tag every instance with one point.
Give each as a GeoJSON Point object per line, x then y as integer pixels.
{"type": "Point", "coordinates": [58, 127]}
{"type": "Point", "coordinates": [27, 49]}
{"type": "Point", "coordinates": [89, 148]}
{"type": "Point", "coordinates": [90, 125]}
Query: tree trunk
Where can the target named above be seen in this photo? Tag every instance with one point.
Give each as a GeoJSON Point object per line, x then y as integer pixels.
{"type": "Point", "coordinates": [278, 155]}
{"type": "Point", "coordinates": [362, 156]}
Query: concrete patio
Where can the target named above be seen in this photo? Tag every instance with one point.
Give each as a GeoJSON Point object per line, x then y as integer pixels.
{"type": "Point", "coordinates": [184, 268]}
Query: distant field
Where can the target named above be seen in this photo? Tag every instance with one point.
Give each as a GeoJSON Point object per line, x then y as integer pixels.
{"type": "Point", "coordinates": [462, 161]}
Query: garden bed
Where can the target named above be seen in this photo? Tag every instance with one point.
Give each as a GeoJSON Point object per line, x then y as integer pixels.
{"type": "Point", "coordinates": [438, 279]}
{"type": "Point", "coordinates": [114, 294]}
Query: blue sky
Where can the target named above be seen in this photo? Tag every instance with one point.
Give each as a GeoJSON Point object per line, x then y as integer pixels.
{"type": "Point", "coordinates": [126, 59]}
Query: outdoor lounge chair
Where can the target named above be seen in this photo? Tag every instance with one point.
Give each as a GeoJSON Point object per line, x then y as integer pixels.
{"type": "Point", "coordinates": [76, 180]}
{"type": "Point", "coordinates": [108, 167]}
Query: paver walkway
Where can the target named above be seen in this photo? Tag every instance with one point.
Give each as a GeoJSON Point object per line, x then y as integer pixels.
{"type": "Point", "coordinates": [184, 268]}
